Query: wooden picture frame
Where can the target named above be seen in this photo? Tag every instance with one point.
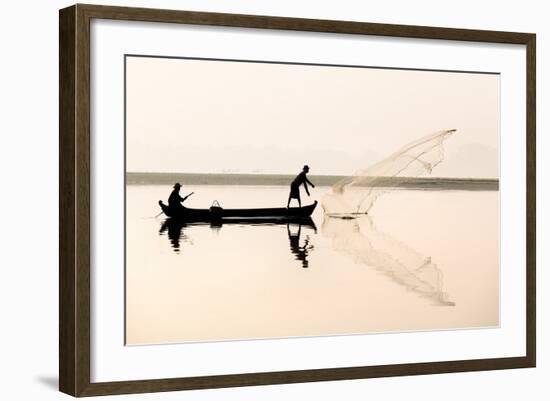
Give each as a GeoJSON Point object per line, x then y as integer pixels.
{"type": "Point", "coordinates": [74, 200]}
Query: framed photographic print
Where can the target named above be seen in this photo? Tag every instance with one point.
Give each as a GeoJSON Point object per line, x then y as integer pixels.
{"type": "Point", "coordinates": [250, 200]}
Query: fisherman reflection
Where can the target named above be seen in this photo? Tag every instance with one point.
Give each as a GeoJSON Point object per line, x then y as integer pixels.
{"type": "Point", "coordinates": [175, 233]}
{"type": "Point", "coordinates": [300, 252]}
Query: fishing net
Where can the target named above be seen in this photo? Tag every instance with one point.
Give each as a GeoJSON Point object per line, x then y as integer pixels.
{"type": "Point", "coordinates": [357, 194]}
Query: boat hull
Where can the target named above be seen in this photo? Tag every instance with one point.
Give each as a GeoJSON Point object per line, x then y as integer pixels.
{"type": "Point", "coordinates": [216, 214]}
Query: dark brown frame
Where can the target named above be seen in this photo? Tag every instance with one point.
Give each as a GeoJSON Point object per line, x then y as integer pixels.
{"type": "Point", "coordinates": [74, 199]}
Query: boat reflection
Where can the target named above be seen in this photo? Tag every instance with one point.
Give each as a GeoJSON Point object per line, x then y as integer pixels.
{"type": "Point", "coordinates": [175, 229]}
{"type": "Point", "coordinates": [362, 241]}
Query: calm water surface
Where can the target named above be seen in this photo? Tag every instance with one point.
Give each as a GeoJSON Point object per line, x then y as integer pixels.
{"type": "Point", "coordinates": [422, 260]}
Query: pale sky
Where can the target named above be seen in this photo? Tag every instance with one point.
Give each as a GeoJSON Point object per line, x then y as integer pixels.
{"type": "Point", "coordinates": [198, 116]}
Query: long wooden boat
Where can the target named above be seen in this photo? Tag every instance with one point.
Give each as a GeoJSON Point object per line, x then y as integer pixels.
{"type": "Point", "coordinates": [216, 214]}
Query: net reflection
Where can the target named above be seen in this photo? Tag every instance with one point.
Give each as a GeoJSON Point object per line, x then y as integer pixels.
{"type": "Point", "coordinates": [360, 239]}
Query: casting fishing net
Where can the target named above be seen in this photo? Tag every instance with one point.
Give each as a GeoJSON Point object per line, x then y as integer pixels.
{"type": "Point", "coordinates": [357, 194]}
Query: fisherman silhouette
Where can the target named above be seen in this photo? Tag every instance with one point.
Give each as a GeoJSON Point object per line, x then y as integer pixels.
{"type": "Point", "coordinates": [175, 200]}
{"type": "Point", "coordinates": [295, 186]}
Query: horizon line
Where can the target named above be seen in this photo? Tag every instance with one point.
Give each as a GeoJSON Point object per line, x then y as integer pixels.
{"type": "Point", "coordinates": [311, 175]}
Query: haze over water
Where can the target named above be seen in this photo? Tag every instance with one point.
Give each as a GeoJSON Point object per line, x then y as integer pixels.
{"type": "Point", "coordinates": [421, 260]}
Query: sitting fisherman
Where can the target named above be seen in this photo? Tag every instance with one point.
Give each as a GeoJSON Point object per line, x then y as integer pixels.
{"type": "Point", "coordinates": [295, 186]}
{"type": "Point", "coordinates": [175, 200]}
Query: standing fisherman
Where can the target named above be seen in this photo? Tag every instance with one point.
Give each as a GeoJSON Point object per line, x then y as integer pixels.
{"type": "Point", "coordinates": [295, 186]}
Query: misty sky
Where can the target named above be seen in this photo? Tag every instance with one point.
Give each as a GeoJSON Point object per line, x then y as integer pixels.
{"type": "Point", "coordinates": [218, 116]}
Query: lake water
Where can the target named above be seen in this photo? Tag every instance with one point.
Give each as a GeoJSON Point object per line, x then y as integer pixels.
{"type": "Point", "coordinates": [422, 260]}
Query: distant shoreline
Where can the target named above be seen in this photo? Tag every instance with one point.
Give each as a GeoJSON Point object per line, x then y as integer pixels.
{"type": "Point", "coordinates": [435, 183]}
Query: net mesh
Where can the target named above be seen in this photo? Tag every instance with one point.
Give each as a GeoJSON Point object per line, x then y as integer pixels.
{"type": "Point", "coordinates": [357, 194]}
